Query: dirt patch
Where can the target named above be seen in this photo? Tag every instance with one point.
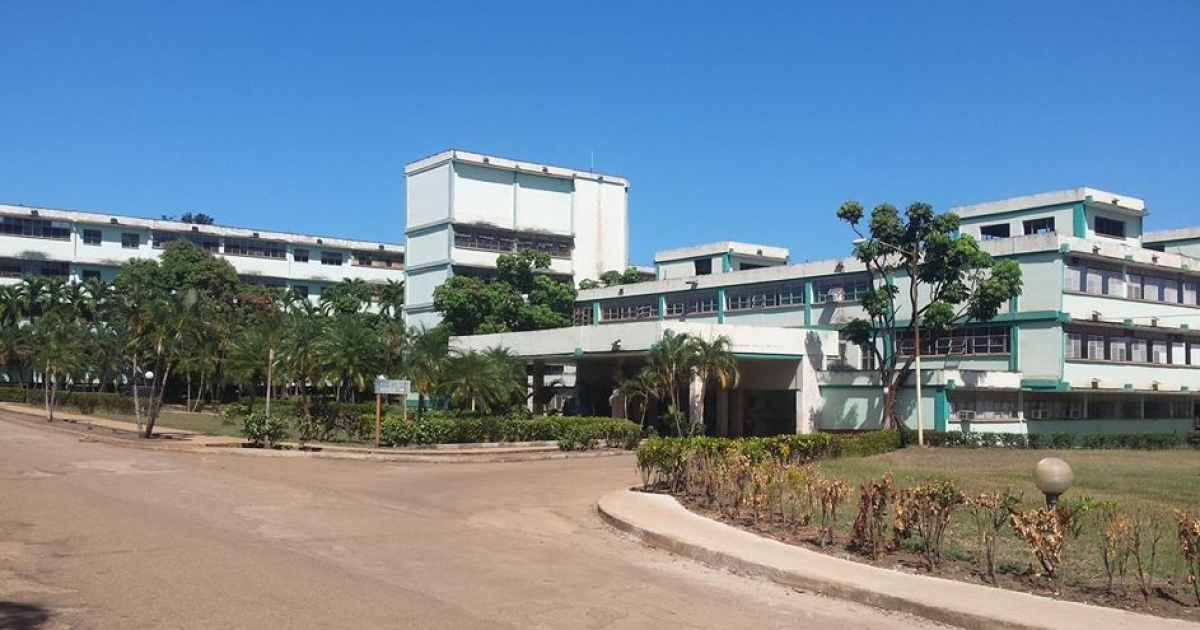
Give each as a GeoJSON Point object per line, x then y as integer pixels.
{"type": "Point", "coordinates": [1170, 597]}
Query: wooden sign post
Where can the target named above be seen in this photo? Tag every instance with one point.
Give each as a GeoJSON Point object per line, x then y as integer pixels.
{"type": "Point", "coordinates": [383, 387]}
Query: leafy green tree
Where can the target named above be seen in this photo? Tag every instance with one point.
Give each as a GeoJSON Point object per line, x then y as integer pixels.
{"type": "Point", "coordinates": [671, 363]}
{"type": "Point", "coordinates": [425, 361]}
{"type": "Point", "coordinates": [350, 296]}
{"type": "Point", "coordinates": [391, 299]}
{"type": "Point", "coordinates": [518, 298]}
{"type": "Point", "coordinates": [349, 354]}
{"type": "Point", "coordinates": [57, 351]}
{"type": "Point", "coordinates": [950, 281]}
{"type": "Point", "coordinates": [483, 381]}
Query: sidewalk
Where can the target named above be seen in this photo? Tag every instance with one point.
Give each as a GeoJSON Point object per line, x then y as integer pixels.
{"type": "Point", "coordinates": [181, 440]}
{"type": "Point", "coordinates": [660, 521]}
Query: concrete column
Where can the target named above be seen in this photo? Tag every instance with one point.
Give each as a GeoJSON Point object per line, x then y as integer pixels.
{"type": "Point", "coordinates": [536, 401]}
{"type": "Point", "coordinates": [738, 426]}
{"type": "Point", "coordinates": [803, 418]}
{"type": "Point", "coordinates": [723, 412]}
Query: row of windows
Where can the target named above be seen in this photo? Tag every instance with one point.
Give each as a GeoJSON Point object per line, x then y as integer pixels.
{"type": "Point", "coordinates": [1097, 407]}
{"type": "Point", "coordinates": [963, 340]}
{"type": "Point", "coordinates": [629, 310]}
{"type": "Point", "coordinates": [496, 241]}
{"type": "Point", "coordinates": [36, 228]}
{"type": "Point", "coordinates": [1129, 349]}
{"type": "Point", "coordinates": [160, 238]}
{"type": "Point", "coordinates": [1099, 279]}
{"type": "Point", "coordinates": [255, 247]}
{"type": "Point", "coordinates": [764, 296]}
{"type": "Point", "coordinates": [846, 289]}
{"type": "Point", "coordinates": [377, 259]}
{"type": "Point", "coordinates": [1043, 225]}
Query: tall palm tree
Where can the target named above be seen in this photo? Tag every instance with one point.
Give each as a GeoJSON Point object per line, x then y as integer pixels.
{"type": "Point", "coordinates": [643, 387]}
{"type": "Point", "coordinates": [671, 362]}
{"type": "Point", "coordinates": [247, 357]}
{"type": "Point", "coordinates": [57, 351]}
{"type": "Point", "coordinates": [298, 350]}
{"type": "Point", "coordinates": [483, 381]}
{"type": "Point", "coordinates": [713, 361]}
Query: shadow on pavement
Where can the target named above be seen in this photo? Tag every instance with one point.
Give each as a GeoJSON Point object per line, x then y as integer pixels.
{"type": "Point", "coordinates": [17, 616]}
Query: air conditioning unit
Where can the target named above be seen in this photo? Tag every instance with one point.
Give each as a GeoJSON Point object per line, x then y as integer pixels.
{"type": "Point", "coordinates": [836, 294]}
{"type": "Point", "coordinates": [965, 414]}
{"type": "Point", "coordinates": [1039, 414]}
{"type": "Point", "coordinates": [1075, 413]}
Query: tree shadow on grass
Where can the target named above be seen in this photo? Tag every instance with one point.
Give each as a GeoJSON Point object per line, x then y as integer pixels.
{"type": "Point", "coordinates": [17, 616]}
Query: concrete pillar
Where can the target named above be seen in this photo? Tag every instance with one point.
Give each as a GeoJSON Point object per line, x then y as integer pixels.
{"type": "Point", "coordinates": [738, 426]}
{"type": "Point", "coordinates": [537, 400]}
{"type": "Point", "coordinates": [804, 422]}
{"type": "Point", "coordinates": [723, 412]}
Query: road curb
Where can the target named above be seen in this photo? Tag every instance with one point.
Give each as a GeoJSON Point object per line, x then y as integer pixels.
{"type": "Point", "coordinates": [660, 521]}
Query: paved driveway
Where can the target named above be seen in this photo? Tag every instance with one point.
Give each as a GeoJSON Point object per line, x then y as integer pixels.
{"type": "Point", "coordinates": [100, 536]}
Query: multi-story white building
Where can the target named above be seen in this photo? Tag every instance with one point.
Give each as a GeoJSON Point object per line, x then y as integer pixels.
{"type": "Point", "coordinates": [466, 209]}
{"type": "Point", "coordinates": [1104, 337]}
{"type": "Point", "coordinates": [81, 245]}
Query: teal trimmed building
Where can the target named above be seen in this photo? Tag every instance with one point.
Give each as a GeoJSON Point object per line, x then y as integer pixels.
{"type": "Point", "coordinates": [1104, 338]}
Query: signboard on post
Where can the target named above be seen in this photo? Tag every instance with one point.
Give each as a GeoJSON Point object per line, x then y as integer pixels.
{"type": "Point", "coordinates": [388, 387]}
{"type": "Point", "coordinates": [392, 387]}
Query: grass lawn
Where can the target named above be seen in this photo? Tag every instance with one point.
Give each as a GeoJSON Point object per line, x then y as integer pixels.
{"type": "Point", "coordinates": [1150, 482]}
{"type": "Point", "coordinates": [203, 422]}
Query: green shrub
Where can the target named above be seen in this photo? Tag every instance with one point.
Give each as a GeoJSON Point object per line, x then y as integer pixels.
{"type": "Point", "coordinates": [439, 428]}
{"type": "Point", "coordinates": [264, 432]}
{"type": "Point", "coordinates": [865, 444]}
{"type": "Point", "coordinates": [1062, 440]}
{"type": "Point", "coordinates": [1193, 440]}
{"type": "Point", "coordinates": [579, 438]}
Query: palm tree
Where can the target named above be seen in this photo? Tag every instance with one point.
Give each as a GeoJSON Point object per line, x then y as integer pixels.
{"type": "Point", "coordinates": [298, 350]}
{"type": "Point", "coordinates": [671, 362]}
{"type": "Point", "coordinates": [391, 299]}
{"type": "Point", "coordinates": [512, 383]}
{"type": "Point", "coordinates": [57, 352]}
{"type": "Point", "coordinates": [247, 357]}
{"type": "Point", "coordinates": [642, 386]}
{"type": "Point", "coordinates": [349, 354]}
{"type": "Point", "coordinates": [483, 381]}
{"type": "Point", "coordinates": [713, 360]}
{"type": "Point", "coordinates": [425, 359]}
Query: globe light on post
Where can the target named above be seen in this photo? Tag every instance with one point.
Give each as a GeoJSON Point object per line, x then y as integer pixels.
{"type": "Point", "coordinates": [1053, 477]}
{"type": "Point", "coordinates": [149, 375]}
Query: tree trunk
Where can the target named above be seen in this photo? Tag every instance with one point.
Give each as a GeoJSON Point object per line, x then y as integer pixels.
{"type": "Point", "coordinates": [46, 393]}
{"type": "Point", "coordinates": [270, 377]}
{"type": "Point", "coordinates": [137, 406]}
{"type": "Point", "coordinates": [156, 397]}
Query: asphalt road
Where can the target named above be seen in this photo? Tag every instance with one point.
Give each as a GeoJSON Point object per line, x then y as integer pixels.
{"type": "Point", "coordinates": [94, 535]}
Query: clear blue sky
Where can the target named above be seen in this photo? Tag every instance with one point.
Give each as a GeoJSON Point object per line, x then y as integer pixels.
{"type": "Point", "coordinates": [737, 120]}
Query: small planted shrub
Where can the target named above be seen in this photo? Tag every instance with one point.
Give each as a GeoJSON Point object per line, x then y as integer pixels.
{"type": "Point", "coordinates": [869, 534]}
{"type": "Point", "coordinates": [1045, 531]}
{"type": "Point", "coordinates": [991, 511]}
{"type": "Point", "coordinates": [925, 510]}
{"type": "Point", "coordinates": [263, 431]}
{"type": "Point", "coordinates": [1116, 545]}
{"type": "Point", "coordinates": [831, 494]}
{"type": "Point", "coordinates": [1187, 529]}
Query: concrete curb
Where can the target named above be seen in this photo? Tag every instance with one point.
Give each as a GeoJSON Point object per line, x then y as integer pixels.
{"type": "Point", "coordinates": [212, 445]}
{"type": "Point", "coordinates": [660, 521]}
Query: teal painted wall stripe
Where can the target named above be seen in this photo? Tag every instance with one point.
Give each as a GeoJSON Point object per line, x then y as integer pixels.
{"type": "Point", "coordinates": [720, 306]}
{"type": "Point", "coordinates": [662, 307]}
{"type": "Point", "coordinates": [941, 409]}
{"type": "Point", "coordinates": [1013, 338]}
{"type": "Point", "coordinates": [595, 313]}
{"type": "Point", "coordinates": [1080, 221]}
{"type": "Point", "coordinates": [726, 264]}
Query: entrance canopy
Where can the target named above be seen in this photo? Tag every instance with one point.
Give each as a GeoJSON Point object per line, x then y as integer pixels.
{"type": "Point", "coordinates": [637, 338]}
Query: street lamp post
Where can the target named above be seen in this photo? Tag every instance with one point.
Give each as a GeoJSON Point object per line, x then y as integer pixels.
{"type": "Point", "coordinates": [1053, 477]}
{"type": "Point", "coordinates": [916, 350]}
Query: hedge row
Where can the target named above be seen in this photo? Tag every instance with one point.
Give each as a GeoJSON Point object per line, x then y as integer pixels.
{"type": "Point", "coordinates": [1132, 441]}
{"type": "Point", "coordinates": [83, 402]}
{"type": "Point", "coordinates": [571, 433]}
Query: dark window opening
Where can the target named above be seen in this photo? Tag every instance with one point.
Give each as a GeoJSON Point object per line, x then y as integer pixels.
{"type": "Point", "coordinates": [90, 274]}
{"type": "Point", "coordinates": [300, 255]}
{"type": "Point", "coordinates": [131, 241]}
{"type": "Point", "coordinates": [746, 266]}
{"type": "Point", "coordinates": [1110, 227]}
{"type": "Point", "coordinates": [989, 232]}
{"type": "Point", "coordinates": [91, 237]}
{"type": "Point", "coordinates": [1040, 226]}
{"type": "Point", "coordinates": [331, 258]}
{"type": "Point", "coordinates": [703, 267]}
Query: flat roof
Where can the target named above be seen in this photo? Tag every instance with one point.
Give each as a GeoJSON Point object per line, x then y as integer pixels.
{"type": "Point", "coordinates": [1092, 196]}
{"type": "Point", "coordinates": [106, 218]}
{"type": "Point", "coordinates": [1173, 234]}
{"type": "Point", "coordinates": [721, 247]}
{"type": "Point", "coordinates": [509, 164]}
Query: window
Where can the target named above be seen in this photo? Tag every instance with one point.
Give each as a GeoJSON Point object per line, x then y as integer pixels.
{"type": "Point", "coordinates": [300, 289]}
{"type": "Point", "coordinates": [1074, 278]}
{"type": "Point", "coordinates": [1135, 286]}
{"type": "Point", "coordinates": [331, 258]}
{"type": "Point", "coordinates": [1170, 291]}
{"type": "Point", "coordinates": [1095, 347]}
{"type": "Point", "coordinates": [846, 288]}
{"type": "Point", "coordinates": [1094, 282]}
{"type": "Point", "coordinates": [703, 267]}
{"type": "Point", "coordinates": [381, 259]}
{"type": "Point", "coordinates": [963, 340]}
{"type": "Point", "coordinates": [130, 240]}
{"type": "Point", "coordinates": [92, 237]}
{"type": "Point", "coordinates": [1179, 353]}
{"type": "Point", "coordinates": [674, 307]}
{"type": "Point", "coordinates": [36, 228]}
{"type": "Point", "coordinates": [1152, 288]}
{"type": "Point", "coordinates": [300, 255]}
{"type": "Point", "coordinates": [10, 270]}
{"type": "Point", "coordinates": [627, 310]}
{"type": "Point", "coordinates": [764, 296]}
{"type": "Point", "coordinates": [1110, 227]}
{"type": "Point", "coordinates": [581, 315]}
{"type": "Point", "coordinates": [89, 274]}
{"type": "Point", "coordinates": [1189, 293]}
{"type": "Point", "coordinates": [1074, 346]}
{"type": "Point", "coordinates": [1138, 352]}
{"type": "Point", "coordinates": [989, 232]}
{"type": "Point", "coordinates": [1194, 354]}
{"type": "Point", "coordinates": [1158, 352]}
{"type": "Point", "coordinates": [255, 247]}
{"type": "Point", "coordinates": [56, 271]}
{"type": "Point", "coordinates": [701, 303]}
{"type": "Point", "coordinates": [1040, 226]}
{"type": "Point", "coordinates": [1118, 349]}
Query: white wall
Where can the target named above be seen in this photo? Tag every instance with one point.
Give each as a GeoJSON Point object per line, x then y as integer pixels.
{"type": "Point", "coordinates": [427, 196]}
{"type": "Point", "coordinates": [544, 204]}
{"type": "Point", "coordinates": [419, 285]}
{"type": "Point", "coordinates": [428, 247]}
{"type": "Point", "coordinates": [483, 195]}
